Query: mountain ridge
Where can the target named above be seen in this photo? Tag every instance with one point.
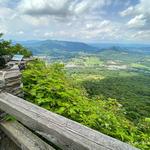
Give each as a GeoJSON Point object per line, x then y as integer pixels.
{"type": "Point", "coordinates": [56, 45]}
{"type": "Point", "coordinates": [61, 47]}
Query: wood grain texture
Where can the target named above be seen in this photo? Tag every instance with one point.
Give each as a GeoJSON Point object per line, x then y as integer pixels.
{"type": "Point", "coordinates": [22, 137]}
{"type": "Point", "coordinates": [65, 133]}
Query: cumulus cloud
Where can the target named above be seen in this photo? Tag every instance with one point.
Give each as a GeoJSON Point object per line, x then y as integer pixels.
{"type": "Point", "coordinates": [73, 19]}
{"type": "Point", "coordinates": [140, 15]}
{"type": "Point", "coordinates": [144, 35]}
{"type": "Point", "coordinates": [128, 11]}
{"type": "Point", "coordinates": [97, 25]}
{"type": "Point", "coordinates": [102, 30]}
{"type": "Point", "coordinates": [59, 8]}
{"type": "Point", "coordinates": [137, 22]}
{"type": "Point", "coordinates": [141, 8]}
{"type": "Point", "coordinates": [44, 7]}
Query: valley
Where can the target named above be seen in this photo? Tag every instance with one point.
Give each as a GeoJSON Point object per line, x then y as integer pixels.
{"type": "Point", "coordinates": [116, 72]}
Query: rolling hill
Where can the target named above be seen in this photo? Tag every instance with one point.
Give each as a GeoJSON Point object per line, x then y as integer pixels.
{"type": "Point", "coordinates": [54, 47]}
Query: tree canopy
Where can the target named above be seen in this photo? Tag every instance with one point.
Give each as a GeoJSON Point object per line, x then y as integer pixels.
{"type": "Point", "coordinates": [7, 48]}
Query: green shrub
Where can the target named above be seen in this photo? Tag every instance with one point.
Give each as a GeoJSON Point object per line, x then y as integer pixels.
{"type": "Point", "coordinates": [49, 87]}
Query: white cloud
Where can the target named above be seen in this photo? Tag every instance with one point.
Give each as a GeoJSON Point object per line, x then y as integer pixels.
{"type": "Point", "coordinates": [35, 21]}
{"type": "Point", "coordinates": [141, 35]}
{"type": "Point", "coordinates": [20, 32]}
{"type": "Point", "coordinates": [6, 12]}
{"type": "Point", "coordinates": [99, 29]}
{"type": "Point", "coordinates": [59, 8]}
{"type": "Point", "coordinates": [97, 24]}
{"type": "Point", "coordinates": [137, 22]}
{"type": "Point", "coordinates": [72, 19]}
{"type": "Point", "coordinates": [86, 5]}
{"type": "Point", "coordinates": [127, 12]}
{"type": "Point", "coordinates": [44, 7]}
{"type": "Point", "coordinates": [141, 8]}
{"type": "Point", "coordinates": [140, 14]}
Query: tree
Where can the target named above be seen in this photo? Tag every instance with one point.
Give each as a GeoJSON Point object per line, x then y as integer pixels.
{"type": "Point", "coordinates": [19, 49]}
{"type": "Point", "coordinates": [6, 48]}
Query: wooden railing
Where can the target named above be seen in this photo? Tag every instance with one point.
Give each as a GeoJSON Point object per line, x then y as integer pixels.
{"type": "Point", "coordinates": [58, 130]}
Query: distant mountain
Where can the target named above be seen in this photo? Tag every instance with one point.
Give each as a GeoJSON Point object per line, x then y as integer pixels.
{"type": "Point", "coordinates": [132, 48]}
{"type": "Point", "coordinates": [55, 47]}
{"type": "Point", "coordinates": [68, 49]}
{"type": "Point", "coordinates": [123, 45]}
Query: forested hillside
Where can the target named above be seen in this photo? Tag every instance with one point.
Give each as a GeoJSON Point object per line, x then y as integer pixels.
{"type": "Point", "coordinates": [56, 48]}
{"type": "Point", "coordinates": [132, 92]}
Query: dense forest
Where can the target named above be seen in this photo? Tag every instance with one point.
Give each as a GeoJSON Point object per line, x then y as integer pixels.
{"type": "Point", "coordinates": [132, 92]}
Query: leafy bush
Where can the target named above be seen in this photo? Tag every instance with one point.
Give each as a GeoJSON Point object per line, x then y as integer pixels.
{"type": "Point", "coordinates": [49, 87]}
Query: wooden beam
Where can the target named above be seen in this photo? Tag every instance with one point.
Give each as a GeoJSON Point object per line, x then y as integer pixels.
{"type": "Point", "coordinates": [63, 132]}
{"type": "Point", "coordinates": [22, 137]}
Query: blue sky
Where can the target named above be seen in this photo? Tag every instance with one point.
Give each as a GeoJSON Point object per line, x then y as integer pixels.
{"type": "Point", "coordinates": [76, 20]}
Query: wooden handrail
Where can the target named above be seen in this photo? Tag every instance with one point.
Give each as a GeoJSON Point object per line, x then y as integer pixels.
{"type": "Point", "coordinates": [23, 137]}
{"type": "Point", "coordinates": [63, 132]}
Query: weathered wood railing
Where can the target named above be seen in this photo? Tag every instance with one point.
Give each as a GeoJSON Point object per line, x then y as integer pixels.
{"type": "Point", "coordinates": [62, 132]}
